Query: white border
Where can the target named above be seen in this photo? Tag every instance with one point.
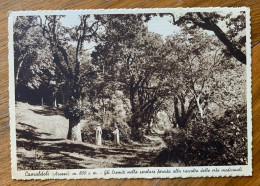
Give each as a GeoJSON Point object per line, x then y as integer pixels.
{"type": "Point", "coordinates": [246, 170]}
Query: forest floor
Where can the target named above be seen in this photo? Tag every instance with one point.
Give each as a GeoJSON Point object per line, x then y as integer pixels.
{"type": "Point", "coordinates": [41, 144]}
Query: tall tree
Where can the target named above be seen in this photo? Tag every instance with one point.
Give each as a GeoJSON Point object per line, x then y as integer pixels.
{"type": "Point", "coordinates": [229, 29]}
{"type": "Point", "coordinates": [190, 68]}
{"type": "Point", "coordinates": [66, 46]}
{"type": "Point", "coordinates": [31, 56]}
{"type": "Point", "coordinates": [129, 55]}
{"type": "Point", "coordinates": [66, 59]}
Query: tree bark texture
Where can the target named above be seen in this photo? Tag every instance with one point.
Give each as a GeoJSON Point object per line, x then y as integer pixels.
{"type": "Point", "coordinates": [74, 132]}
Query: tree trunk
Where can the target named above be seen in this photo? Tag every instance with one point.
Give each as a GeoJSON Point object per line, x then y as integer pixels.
{"type": "Point", "coordinates": [74, 132]}
{"type": "Point", "coordinates": [176, 111]}
{"type": "Point", "coordinates": [150, 124]}
{"type": "Point", "coordinates": [199, 107]}
{"type": "Point", "coordinates": [18, 72]}
{"type": "Point", "coordinates": [182, 117]}
{"type": "Point", "coordinates": [54, 100]}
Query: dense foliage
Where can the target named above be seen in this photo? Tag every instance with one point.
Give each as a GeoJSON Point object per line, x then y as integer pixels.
{"type": "Point", "coordinates": [221, 141]}
{"type": "Point", "coordinates": [195, 79]}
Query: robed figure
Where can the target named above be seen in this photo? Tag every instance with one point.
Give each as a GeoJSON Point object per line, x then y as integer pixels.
{"type": "Point", "coordinates": [98, 135]}
{"type": "Point", "coordinates": [116, 136]}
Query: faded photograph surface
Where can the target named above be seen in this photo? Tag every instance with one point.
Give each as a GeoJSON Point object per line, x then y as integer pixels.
{"type": "Point", "coordinates": [130, 90]}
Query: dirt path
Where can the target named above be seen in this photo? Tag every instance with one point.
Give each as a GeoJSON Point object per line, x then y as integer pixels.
{"type": "Point", "coordinates": [36, 152]}
{"type": "Point", "coordinates": [39, 149]}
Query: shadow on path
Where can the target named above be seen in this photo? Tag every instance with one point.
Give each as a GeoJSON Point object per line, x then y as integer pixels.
{"type": "Point", "coordinates": [36, 152]}
{"type": "Point", "coordinates": [48, 111]}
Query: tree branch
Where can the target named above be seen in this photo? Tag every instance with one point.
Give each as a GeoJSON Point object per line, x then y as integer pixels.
{"type": "Point", "coordinates": [240, 56]}
{"type": "Point", "coordinates": [206, 24]}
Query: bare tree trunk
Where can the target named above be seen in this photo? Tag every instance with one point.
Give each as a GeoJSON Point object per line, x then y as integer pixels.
{"type": "Point", "coordinates": [18, 72]}
{"type": "Point", "coordinates": [176, 112]}
{"type": "Point", "coordinates": [74, 132]}
{"type": "Point", "coordinates": [199, 107]}
{"type": "Point", "coordinates": [54, 100]}
{"type": "Point", "coordinates": [150, 124]}
{"type": "Point", "coordinates": [182, 117]}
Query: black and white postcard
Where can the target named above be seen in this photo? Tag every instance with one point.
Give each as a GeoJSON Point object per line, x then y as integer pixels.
{"type": "Point", "coordinates": [130, 93]}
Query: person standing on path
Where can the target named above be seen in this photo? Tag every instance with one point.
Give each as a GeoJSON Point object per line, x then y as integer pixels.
{"type": "Point", "coordinates": [116, 136]}
{"type": "Point", "coordinates": [98, 135]}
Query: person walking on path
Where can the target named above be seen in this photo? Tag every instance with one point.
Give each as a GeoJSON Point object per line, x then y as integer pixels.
{"type": "Point", "coordinates": [116, 136]}
{"type": "Point", "coordinates": [98, 135]}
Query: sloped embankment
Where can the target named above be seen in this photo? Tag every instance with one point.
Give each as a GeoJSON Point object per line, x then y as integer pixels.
{"type": "Point", "coordinates": [41, 144]}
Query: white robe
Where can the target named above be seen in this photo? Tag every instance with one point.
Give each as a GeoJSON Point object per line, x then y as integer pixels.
{"type": "Point", "coordinates": [98, 136]}
{"type": "Point", "coordinates": [116, 137]}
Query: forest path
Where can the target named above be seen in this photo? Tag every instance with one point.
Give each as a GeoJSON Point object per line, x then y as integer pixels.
{"type": "Point", "coordinates": [41, 144]}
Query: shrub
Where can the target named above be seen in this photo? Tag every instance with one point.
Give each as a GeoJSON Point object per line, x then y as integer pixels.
{"type": "Point", "coordinates": [89, 133]}
{"type": "Point", "coordinates": [138, 134]}
{"type": "Point", "coordinates": [221, 141]}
